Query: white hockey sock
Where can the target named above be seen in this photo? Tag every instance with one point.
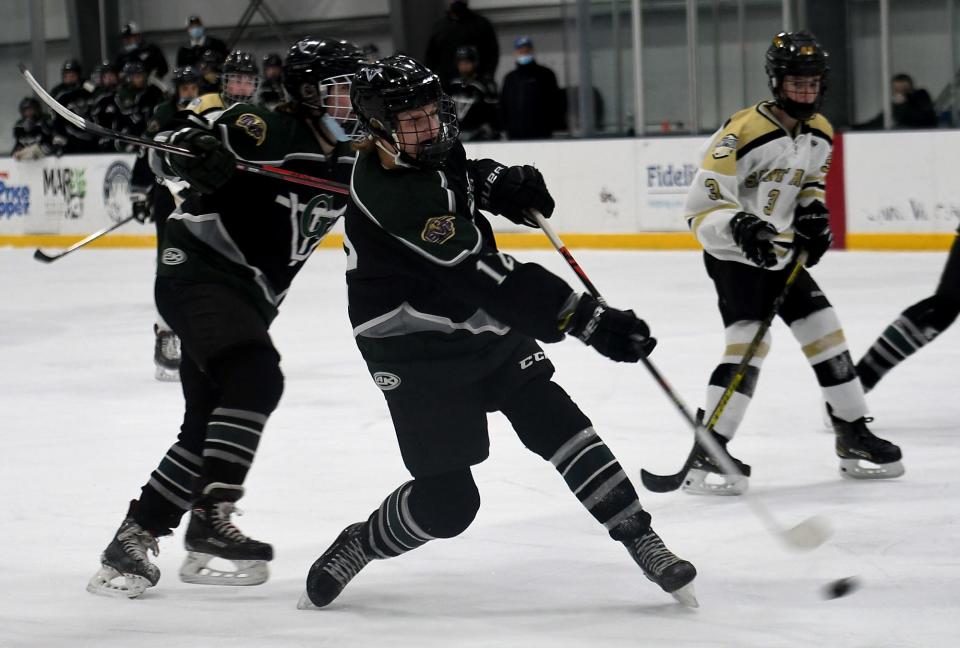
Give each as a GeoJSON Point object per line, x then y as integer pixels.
{"type": "Point", "coordinates": [738, 337]}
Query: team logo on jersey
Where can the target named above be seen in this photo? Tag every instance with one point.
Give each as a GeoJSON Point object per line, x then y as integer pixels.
{"type": "Point", "coordinates": [386, 380]}
{"type": "Point", "coordinates": [439, 229]}
{"type": "Point", "coordinates": [725, 147]}
{"type": "Point", "coordinates": [173, 256]}
{"type": "Point", "coordinates": [254, 126]}
{"type": "Point", "coordinates": [319, 216]}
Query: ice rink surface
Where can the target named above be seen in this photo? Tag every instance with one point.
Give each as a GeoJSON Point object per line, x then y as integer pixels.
{"type": "Point", "coordinates": [83, 423]}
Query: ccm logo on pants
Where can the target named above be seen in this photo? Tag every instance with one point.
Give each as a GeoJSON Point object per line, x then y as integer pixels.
{"type": "Point", "coordinates": [529, 360]}
{"type": "Point", "coordinates": [386, 381]}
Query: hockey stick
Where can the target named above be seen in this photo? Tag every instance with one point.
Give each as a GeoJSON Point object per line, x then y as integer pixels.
{"type": "Point", "coordinates": [808, 534]}
{"type": "Point", "coordinates": [667, 483]}
{"type": "Point", "coordinates": [40, 255]}
{"type": "Point", "coordinates": [267, 170]}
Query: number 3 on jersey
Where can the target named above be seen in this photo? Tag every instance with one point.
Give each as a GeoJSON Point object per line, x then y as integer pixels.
{"type": "Point", "coordinates": [771, 201]}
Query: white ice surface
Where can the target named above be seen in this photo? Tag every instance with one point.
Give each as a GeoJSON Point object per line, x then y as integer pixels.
{"type": "Point", "coordinates": [83, 422]}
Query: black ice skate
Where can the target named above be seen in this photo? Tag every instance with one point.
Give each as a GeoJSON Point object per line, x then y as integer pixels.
{"type": "Point", "coordinates": [707, 477]}
{"type": "Point", "coordinates": [211, 535]}
{"type": "Point", "coordinates": [166, 355]}
{"type": "Point", "coordinates": [674, 575]}
{"type": "Point", "coordinates": [331, 572]}
{"type": "Point", "coordinates": [126, 558]}
{"type": "Point", "coordinates": [863, 455]}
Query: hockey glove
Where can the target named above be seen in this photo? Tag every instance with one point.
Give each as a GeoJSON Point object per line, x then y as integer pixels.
{"type": "Point", "coordinates": [517, 189]}
{"type": "Point", "coordinates": [617, 334]}
{"type": "Point", "coordinates": [812, 227]}
{"type": "Point", "coordinates": [141, 204]}
{"type": "Point", "coordinates": [213, 166]}
{"type": "Point", "coordinates": [753, 235]}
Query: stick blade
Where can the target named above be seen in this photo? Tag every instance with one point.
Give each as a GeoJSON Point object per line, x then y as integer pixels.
{"type": "Point", "coordinates": [42, 256]}
{"type": "Point", "coordinates": [662, 483]}
{"type": "Point", "coordinates": [809, 534]}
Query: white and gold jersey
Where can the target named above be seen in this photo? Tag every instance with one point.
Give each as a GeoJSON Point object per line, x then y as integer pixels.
{"type": "Point", "coordinates": [752, 164]}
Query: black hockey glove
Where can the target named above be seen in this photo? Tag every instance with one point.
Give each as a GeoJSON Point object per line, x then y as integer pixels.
{"type": "Point", "coordinates": [617, 334]}
{"type": "Point", "coordinates": [753, 235]}
{"type": "Point", "coordinates": [517, 189]}
{"type": "Point", "coordinates": [812, 227]}
{"type": "Point", "coordinates": [213, 166]}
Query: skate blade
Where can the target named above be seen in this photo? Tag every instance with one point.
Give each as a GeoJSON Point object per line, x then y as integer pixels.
{"type": "Point", "coordinates": [686, 595]}
{"type": "Point", "coordinates": [854, 469]}
{"type": "Point", "coordinates": [697, 483]}
{"type": "Point", "coordinates": [196, 571]}
{"type": "Point", "coordinates": [305, 603]}
{"type": "Point", "coordinates": [166, 375]}
{"type": "Point", "coordinates": [103, 584]}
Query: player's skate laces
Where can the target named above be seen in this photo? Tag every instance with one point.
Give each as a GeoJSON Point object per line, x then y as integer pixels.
{"type": "Point", "coordinates": [673, 574]}
{"type": "Point", "coordinates": [856, 444]}
{"type": "Point", "coordinates": [331, 572]}
{"type": "Point", "coordinates": [126, 557]}
{"type": "Point", "coordinates": [212, 534]}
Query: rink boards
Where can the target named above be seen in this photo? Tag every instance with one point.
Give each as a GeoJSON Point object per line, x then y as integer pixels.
{"type": "Point", "coordinates": [887, 191]}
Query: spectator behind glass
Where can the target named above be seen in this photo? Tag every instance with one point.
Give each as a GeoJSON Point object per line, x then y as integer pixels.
{"type": "Point", "coordinates": [475, 98]}
{"type": "Point", "coordinates": [460, 27]}
{"type": "Point", "coordinates": [70, 92]}
{"type": "Point", "coordinates": [135, 50]}
{"type": "Point", "coordinates": [200, 42]}
{"type": "Point", "coordinates": [33, 133]}
{"type": "Point", "coordinates": [271, 85]}
{"type": "Point", "coordinates": [531, 106]}
{"type": "Point", "coordinates": [911, 107]}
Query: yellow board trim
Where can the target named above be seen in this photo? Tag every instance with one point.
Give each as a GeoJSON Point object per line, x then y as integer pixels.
{"type": "Point", "coordinates": [530, 241]}
{"type": "Point", "coordinates": [900, 241]}
{"type": "Point", "coordinates": [516, 241]}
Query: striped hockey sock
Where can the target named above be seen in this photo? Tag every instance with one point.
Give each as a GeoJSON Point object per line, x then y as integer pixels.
{"type": "Point", "coordinates": [231, 443]}
{"type": "Point", "coordinates": [916, 327]}
{"type": "Point", "coordinates": [599, 482]}
{"type": "Point", "coordinates": [738, 337]}
{"type": "Point", "coordinates": [168, 493]}
{"type": "Point", "coordinates": [391, 529]}
{"type": "Point", "coordinates": [826, 349]}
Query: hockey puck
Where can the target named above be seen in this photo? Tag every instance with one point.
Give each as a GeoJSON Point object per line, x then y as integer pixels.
{"type": "Point", "coordinates": [841, 587]}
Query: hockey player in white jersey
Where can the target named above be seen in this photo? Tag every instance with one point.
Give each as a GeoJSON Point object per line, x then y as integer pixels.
{"type": "Point", "coordinates": [758, 197]}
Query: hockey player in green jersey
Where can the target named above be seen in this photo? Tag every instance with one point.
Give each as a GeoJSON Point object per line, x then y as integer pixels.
{"type": "Point", "coordinates": [448, 326]}
{"type": "Point", "coordinates": [227, 258]}
{"type": "Point", "coordinates": [758, 196]}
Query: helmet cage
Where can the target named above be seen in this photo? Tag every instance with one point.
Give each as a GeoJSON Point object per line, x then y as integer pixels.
{"type": "Point", "coordinates": [334, 100]}
{"type": "Point", "coordinates": [231, 98]}
{"type": "Point", "coordinates": [797, 55]}
{"type": "Point", "coordinates": [442, 129]}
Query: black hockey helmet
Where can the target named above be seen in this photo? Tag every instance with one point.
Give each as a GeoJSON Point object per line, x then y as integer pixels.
{"type": "Point", "coordinates": [129, 30]}
{"type": "Point", "coordinates": [132, 67]}
{"type": "Point", "coordinates": [272, 60]}
{"type": "Point", "coordinates": [468, 53]}
{"type": "Point", "coordinates": [29, 102]}
{"type": "Point", "coordinates": [239, 64]}
{"type": "Point", "coordinates": [72, 65]}
{"type": "Point", "coordinates": [796, 54]}
{"type": "Point", "coordinates": [184, 75]}
{"type": "Point", "coordinates": [383, 90]}
{"type": "Point", "coordinates": [314, 65]}
{"type": "Point", "coordinates": [105, 66]}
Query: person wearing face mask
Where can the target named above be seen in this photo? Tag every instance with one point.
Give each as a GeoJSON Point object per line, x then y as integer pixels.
{"type": "Point", "coordinates": [200, 42]}
{"type": "Point", "coordinates": [758, 199]}
{"type": "Point", "coordinates": [136, 50]}
{"type": "Point", "coordinates": [531, 106]}
{"type": "Point", "coordinates": [461, 26]}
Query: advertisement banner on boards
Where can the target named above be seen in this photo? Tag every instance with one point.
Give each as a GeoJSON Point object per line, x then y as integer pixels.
{"type": "Point", "coordinates": [72, 194]}
{"type": "Point", "coordinates": [902, 182]}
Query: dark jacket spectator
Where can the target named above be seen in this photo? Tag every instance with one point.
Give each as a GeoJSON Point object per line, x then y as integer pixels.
{"type": "Point", "coordinates": [475, 98]}
{"type": "Point", "coordinates": [200, 42]}
{"type": "Point", "coordinates": [33, 132]}
{"type": "Point", "coordinates": [460, 27]}
{"type": "Point", "coordinates": [911, 107]}
{"type": "Point", "coordinates": [531, 106]}
{"type": "Point", "coordinates": [135, 50]}
{"type": "Point", "coordinates": [71, 92]}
